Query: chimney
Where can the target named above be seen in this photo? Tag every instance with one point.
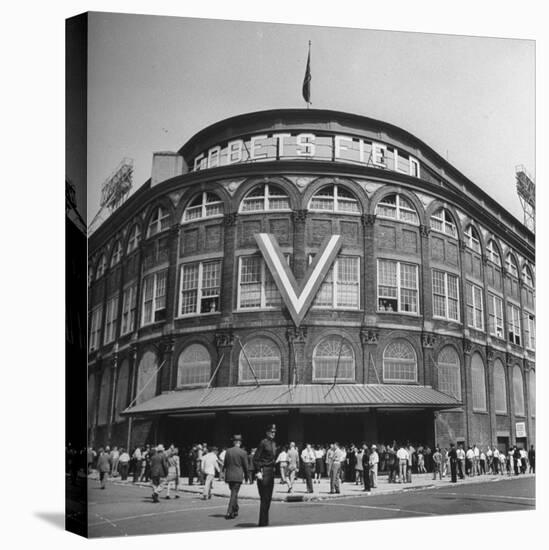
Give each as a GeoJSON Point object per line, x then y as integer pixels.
{"type": "Point", "coordinates": [166, 165]}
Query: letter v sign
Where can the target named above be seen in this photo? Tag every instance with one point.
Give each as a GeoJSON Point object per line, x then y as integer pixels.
{"type": "Point", "coordinates": [298, 298]}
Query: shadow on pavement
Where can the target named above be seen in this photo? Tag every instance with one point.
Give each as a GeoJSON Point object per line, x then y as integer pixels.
{"type": "Point", "coordinates": [245, 525]}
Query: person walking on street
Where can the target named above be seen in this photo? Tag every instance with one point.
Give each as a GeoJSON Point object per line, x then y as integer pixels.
{"type": "Point", "coordinates": [452, 455]}
{"type": "Point", "coordinates": [137, 464]}
{"type": "Point", "coordinates": [308, 459]}
{"type": "Point", "coordinates": [264, 465]}
{"type": "Point", "coordinates": [293, 465]}
{"type": "Point", "coordinates": [532, 460]}
{"type": "Point", "coordinates": [437, 464]}
{"type": "Point", "coordinates": [402, 457]}
{"type": "Point", "coordinates": [319, 461]}
{"type": "Point", "coordinates": [103, 466]}
{"type": "Point", "coordinates": [374, 463]}
{"type": "Point", "coordinates": [173, 472]}
{"type": "Point", "coordinates": [461, 461]}
{"type": "Point", "coordinates": [337, 459]}
{"type": "Point", "coordinates": [282, 461]}
{"type": "Point", "coordinates": [159, 471]}
{"type": "Point", "coordinates": [366, 467]}
{"type": "Point", "coordinates": [209, 466]}
{"type": "Point", "coordinates": [235, 466]}
{"type": "Point", "coordinates": [123, 464]}
{"type": "Point", "coordinates": [359, 468]}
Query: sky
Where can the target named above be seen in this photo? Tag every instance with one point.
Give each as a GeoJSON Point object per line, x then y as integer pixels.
{"type": "Point", "coordinates": [155, 81]}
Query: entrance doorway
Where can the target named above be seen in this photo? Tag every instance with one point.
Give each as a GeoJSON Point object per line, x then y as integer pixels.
{"type": "Point", "coordinates": [415, 427]}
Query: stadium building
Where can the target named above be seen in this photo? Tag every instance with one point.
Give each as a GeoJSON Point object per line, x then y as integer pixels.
{"type": "Point", "coordinates": [323, 270]}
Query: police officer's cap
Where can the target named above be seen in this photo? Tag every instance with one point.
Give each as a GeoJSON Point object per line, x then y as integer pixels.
{"type": "Point", "coordinates": [270, 428]}
{"type": "Point", "coordinates": [237, 437]}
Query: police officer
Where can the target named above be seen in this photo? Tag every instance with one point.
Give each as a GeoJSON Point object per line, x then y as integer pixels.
{"type": "Point", "coordinates": [264, 466]}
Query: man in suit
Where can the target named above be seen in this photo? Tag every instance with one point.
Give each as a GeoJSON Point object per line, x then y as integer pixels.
{"type": "Point", "coordinates": [103, 467]}
{"type": "Point", "coordinates": [159, 470]}
{"type": "Point", "coordinates": [452, 455]}
{"type": "Point", "coordinates": [235, 466]}
{"type": "Point", "coordinates": [264, 466]}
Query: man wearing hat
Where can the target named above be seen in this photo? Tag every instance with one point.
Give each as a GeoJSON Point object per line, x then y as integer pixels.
{"type": "Point", "coordinates": [264, 465]}
{"type": "Point", "coordinates": [159, 470]}
{"type": "Point", "coordinates": [373, 463]}
{"type": "Point", "coordinates": [235, 466]}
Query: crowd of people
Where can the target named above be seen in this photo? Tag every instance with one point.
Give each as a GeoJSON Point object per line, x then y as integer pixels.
{"type": "Point", "coordinates": [312, 462]}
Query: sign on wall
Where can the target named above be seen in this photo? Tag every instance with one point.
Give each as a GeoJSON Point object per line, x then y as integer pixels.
{"type": "Point", "coordinates": [520, 430]}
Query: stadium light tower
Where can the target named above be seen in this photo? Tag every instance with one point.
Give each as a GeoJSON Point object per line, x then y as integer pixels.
{"type": "Point", "coordinates": [526, 191]}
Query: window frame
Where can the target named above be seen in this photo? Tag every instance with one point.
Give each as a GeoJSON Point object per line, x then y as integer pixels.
{"type": "Point", "coordinates": [445, 223]}
{"type": "Point", "coordinates": [208, 371]}
{"type": "Point", "coordinates": [398, 208]}
{"type": "Point", "coordinates": [471, 241]}
{"type": "Point", "coordinates": [324, 341]}
{"type": "Point", "coordinates": [159, 221]}
{"type": "Point", "coordinates": [447, 298]}
{"type": "Point", "coordinates": [95, 328]}
{"type": "Point", "coordinates": [475, 385]}
{"type": "Point", "coordinates": [473, 307]}
{"type": "Point", "coordinates": [111, 320]}
{"type": "Point", "coordinates": [335, 200]}
{"type": "Point", "coordinates": [101, 268]}
{"type": "Point", "coordinates": [199, 288]}
{"type": "Point", "coordinates": [134, 239]}
{"type": "Point", "coordinates": [399, 287]}
{"type": "Point", "coordinates": [204, 204]}
{"type": "Point", "coordinates": [155, 276]}
{"type": "Point", "coordinates": [264, 274]}
{"type": "Point", "coordinates": [449, 367]}
{"type": "Point", "coordinates": [243, 364]}
{"type": "Point", "coordinates": [267, 198]}
{"type": "Point", "coordinates": [400, 380]}
{"type": "Point", "coordinates": [335, 282]}
{"type": "Point", "coordinates": [529, 331]}
{"type": "Point", "coordinates": [127, 321]}
{"type": "Point", "coordinates": [493, 254]}
{"type": "Point", "coordinates": [498, 366]}
{"type": "Point", "coordinates": [514, 324]}
{"type": "Point", "coordinates": [493, 299]}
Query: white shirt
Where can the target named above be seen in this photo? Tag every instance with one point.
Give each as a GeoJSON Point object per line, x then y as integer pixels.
{"type": "Point", "coordinates": [476, 451]}
{"type": "Point", "coordinates": [210, 464]}
{"type": "Point", "coordinates": [470, 454]}
{"type": "Point", "coordinates": [402, 454]}
{"type": "Point", "coordinates": [282, 457]}
{"type": "Point", "coordinates": [374, 458]}
{"type": "Point", "coordinates": [308, 455]}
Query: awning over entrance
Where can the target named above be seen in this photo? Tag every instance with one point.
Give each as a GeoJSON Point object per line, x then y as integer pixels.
{"type": "Point", "coordinates": [264, 398]}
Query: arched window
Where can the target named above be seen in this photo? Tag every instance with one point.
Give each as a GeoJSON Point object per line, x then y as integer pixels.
{"type": "Point", "coordinates": [443, 222]}
{"type": "Point", "coordinates": [101, 267]}
{"type": "Point", "coordinates": [397, 207]}
{"type": "Point", "coordinates": [135, 237]}
{"type": "Point", "coordinates": [193, 366]}
{"type": "Point", "coordinates": [500, 387]}
{"type": "Point", "coordinates": [263, 356]}
{"type": "Point", "coordinates": [478, 383]}
{"type": "Point", "coordinates": [472, 239]}
{"type": "Point", "coordinates": [122, 388]}
{"type": "Point", "coordinates": [91, 400]}
{"type": "Point", "coordinates": [532, 391]}
{"type": "Point", "coordinates": [265, 197]}
{"type": "Point", "coordinates": [527, 276]}
{"type": "Point", "coordinates": [493, 253]}
{"type": "Point", "coordinates": [511, 265]}
{"type": "Point", "coordinates": [204, 205]}
{"type": "Point", "coordinates": [518, 391]}
{"type": "Point", "coordinates": [146, 377]}
{"type": "Point", "coordinates": [104, 391]}
{"type": "Point", "coordinates": [333, 359]}
{"type": "Point", "coordinates": [116, 254]}
{"type": "Point", "coordinates": [399, 362]}
{"type": "Point", "coordinates": [449, 372]}
{"type": "Point", "coordinates": [160, 221]}
{"type": "Point", "coordinates": [90, 275]}
{"type": "Point", "coordinates": [334, 198]}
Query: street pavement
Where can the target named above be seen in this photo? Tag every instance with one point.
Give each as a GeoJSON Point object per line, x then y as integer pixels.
{"type": "Point", "coordinates": [126, 509]}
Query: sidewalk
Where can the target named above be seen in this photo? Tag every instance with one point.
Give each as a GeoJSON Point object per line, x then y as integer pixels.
{"type": "Point", "coordinates": [321, 491]}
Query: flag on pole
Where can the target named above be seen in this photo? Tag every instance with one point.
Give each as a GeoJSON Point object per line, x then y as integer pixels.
{"type": "Point", "coordinates": [307, 79]}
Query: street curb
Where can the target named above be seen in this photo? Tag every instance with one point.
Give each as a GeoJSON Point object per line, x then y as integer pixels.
{"type": "Point", "coordinates": [323, 498]}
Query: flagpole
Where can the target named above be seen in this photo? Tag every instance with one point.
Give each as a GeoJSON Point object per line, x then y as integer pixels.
{"type": "Point", "coordinates": [309, 58]}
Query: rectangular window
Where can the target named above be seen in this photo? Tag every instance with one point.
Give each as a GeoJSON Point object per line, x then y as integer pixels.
{"type": "Point", "coordinates": [513, 324]}
{"type": "Point", "coordinates": [199, 288]}
{"type": "Point", "coordinates": [445, 295]}
{"type": "Point", "coordinates": [341, 287]}
{"type": "Point", "coordinates": [95, 327]}
{"type": "Point", "coordinates": [530, 331]}
{"type": "Point", "coordinates": [397, 287]}
{"type": "Point", "coordinates": [129, 305]}
{"type": "Point", "coordinates": [110, 319]}
{"type": "Point", "coordinates": [256, 287]}
{"type": "Point", "coordinates": [154, 297]}
{"type": "Point", "coordinates": [475, 312]}
{"type": "Point", "coordinates": [495, 315]}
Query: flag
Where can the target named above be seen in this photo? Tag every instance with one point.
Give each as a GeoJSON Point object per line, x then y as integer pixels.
{"type": "Point", "coordinates": [307, 79]}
